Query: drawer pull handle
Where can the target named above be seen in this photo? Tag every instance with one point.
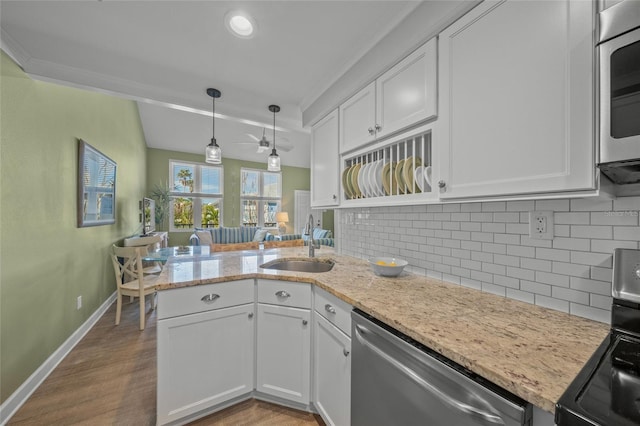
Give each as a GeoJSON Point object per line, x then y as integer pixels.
{"type": "Point", "coordinates": [282, 293]}
{"type": "Point", "coordinates": [210, 298]}
{"type": "Point", "coordinates": [329, 309]}
{"type": "Point", "coordinates": [345, 352]}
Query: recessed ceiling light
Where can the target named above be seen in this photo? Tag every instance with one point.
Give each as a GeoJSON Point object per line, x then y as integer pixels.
{"type": "Point", "coordinates": [240, 24]}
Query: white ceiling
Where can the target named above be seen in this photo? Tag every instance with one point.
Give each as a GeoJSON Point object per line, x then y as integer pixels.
{"type": "Point", "coordinates": [164, 54]}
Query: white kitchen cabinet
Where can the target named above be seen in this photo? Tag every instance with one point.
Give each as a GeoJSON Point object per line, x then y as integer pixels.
{"type": "Point", "coordinates": [284, 352]}
{"type": "Point", "coordinates": [332, 373]}
{"type": "Point", "coordinates": [516, 93]}
{"type": "Point", "coordinates": [324, 162]}
{"type": "Point", "coordinates": [358, 118]}
{"type": "Point", "coordinates": [401, 97]}
{"type": "Point", "coordinates": [204, 359]}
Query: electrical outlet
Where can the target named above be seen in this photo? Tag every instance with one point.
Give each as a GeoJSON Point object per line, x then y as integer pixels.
{"type": "Point", "coordinates": [79, 302]}
{"type": "Point", "coordinates": [541, 225]}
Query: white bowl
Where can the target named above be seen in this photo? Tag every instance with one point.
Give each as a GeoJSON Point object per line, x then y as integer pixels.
{"type": "Point", "coordinates": [387, 266]}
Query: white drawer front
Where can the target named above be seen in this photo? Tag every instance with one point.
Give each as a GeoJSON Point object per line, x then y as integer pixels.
{"type": "Point", "coordinates": [335, 310]}
{"type": "Point", "coordinates": [284, 293]}
{"type": "Point", "coordinates": [206, 297]}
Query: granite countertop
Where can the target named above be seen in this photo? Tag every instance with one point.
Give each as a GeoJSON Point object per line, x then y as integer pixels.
{"type": "Point", "coordinates": [531, 351]}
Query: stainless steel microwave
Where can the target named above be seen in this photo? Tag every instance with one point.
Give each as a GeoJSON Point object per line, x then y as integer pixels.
{"type": "Point", "coordinates": [619, 81]}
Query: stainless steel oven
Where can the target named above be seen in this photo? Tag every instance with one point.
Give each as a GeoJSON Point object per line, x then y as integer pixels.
{"type": "Point", "coordinates": [619, 58]}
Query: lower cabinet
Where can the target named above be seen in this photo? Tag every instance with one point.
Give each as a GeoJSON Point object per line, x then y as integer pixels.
{"type": "Point", "coordinates": [284, 352]}
{"type": "Point", "coordinates": [332, 373]}
{"type": "Point", "coordinates": [204, 359]}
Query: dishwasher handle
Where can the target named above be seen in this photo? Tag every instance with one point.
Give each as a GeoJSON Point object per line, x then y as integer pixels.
{"type": "Point", "coordinates": [361, 332]}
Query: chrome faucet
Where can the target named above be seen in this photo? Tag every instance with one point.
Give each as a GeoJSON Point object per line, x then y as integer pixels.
{"type": "Point", "coordinates": [308, 230]}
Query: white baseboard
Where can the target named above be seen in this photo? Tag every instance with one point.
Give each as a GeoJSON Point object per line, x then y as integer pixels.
{"type": "Point", "coordinates": [20, 396]}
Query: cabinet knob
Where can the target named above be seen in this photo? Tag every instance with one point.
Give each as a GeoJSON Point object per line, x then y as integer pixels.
{"type": "Point", "coordinates": [378, 127]}
{"type": "Point", "coordinates": [345, 352]}
{"type": "Point", "coordinates": [329, 309]}
{"type": "Point", "coordinates": [210, 298]}
{"type": "Point", "coordinates": [304, 322]}
{"type": "Point", "coordinates": [250, 315]}
{"type": "Point", "coordinates": [442, 184]}
{"type": "Point", "coordinates": [282, 293]}
{"type": "Point", "coordinates": [335, 197]}
{"type": "Point", "coordinates": [371, 131]}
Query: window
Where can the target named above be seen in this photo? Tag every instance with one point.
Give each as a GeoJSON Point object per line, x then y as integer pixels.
{"type": "Point", "coordinates": [260, 197]}
{"type": "Point", "coordinates": [196, 193]}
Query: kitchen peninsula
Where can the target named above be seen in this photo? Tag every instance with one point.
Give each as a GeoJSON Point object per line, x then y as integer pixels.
{"type": "Point", "coordinates": [528, 350]}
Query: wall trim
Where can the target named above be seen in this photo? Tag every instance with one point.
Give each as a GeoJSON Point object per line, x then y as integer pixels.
{"type": "Point", "coordinates": [20, 396]}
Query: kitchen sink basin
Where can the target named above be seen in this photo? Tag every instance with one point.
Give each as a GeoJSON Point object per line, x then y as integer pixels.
{"type": "Point", "coordinates": [300, 265]}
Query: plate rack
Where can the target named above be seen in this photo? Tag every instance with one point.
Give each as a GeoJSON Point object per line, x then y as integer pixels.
{"type": "Point", "coordinates": [398, 169]}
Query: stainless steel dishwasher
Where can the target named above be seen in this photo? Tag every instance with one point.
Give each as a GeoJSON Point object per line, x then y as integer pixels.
{"type": "Point", "coordinates": [397, 381]}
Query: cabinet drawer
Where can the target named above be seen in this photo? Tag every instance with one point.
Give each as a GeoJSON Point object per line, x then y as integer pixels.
{"type": "Point", "coordinates": [336, 311]}
{"type": "Point", "coordinates": [201, 298]}
{"type": "Point", "coordinates": [284, 293]}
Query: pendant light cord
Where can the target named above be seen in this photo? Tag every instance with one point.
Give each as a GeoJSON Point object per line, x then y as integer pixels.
{"type": "Point", "coordinates": [213, 117]}
{"type": "Point", "coordinates": [274, 129]}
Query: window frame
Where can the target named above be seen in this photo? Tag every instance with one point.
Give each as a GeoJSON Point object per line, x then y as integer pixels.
{"type": "Point", "coordinates": [260, 198]}
{"type": "Point", "coordinates": [197, 196]}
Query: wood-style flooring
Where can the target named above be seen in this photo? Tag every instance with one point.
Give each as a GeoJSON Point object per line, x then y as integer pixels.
{"type": "Point", "coordinates": [109, 378]}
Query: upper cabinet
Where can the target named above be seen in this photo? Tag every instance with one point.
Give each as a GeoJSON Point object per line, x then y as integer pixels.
{"type": "Point", "coordinates": [403, 96]}
{"type": "Point", "coordinates": [516, 91]}
{"type": "Point", "coordinates": [325, 162]}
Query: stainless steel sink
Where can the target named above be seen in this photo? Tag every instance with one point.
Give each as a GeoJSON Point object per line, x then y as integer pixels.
{"type": "Point", "coordinates": [300, 265]}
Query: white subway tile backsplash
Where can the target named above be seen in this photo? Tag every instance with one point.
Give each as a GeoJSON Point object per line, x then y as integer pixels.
{"type": "Point", "coordinates": [572, 218]}
{"type": "Point", "coordinates": [494, 289]}
{"type": "Point", "coordinates": [536, 264]}
{"type": "Point", "coordinates": [551, 303]}
{"type": "Point", "coordinates": [591, 313]}
{"type": "Point", "coordinates": [582, 244]}
{"type": "Point", "coordinates": [520, 295]}
{"type": "Point", "coordinates": [506, 217]}
{"type": "Point", "coordinates": [536, 288]}
{"type": "Point", "coordinates": [590, 204]}
{"type": "Point", "coordinates": [607, 246]}
{"type": "Point", "coordinates": [571, 269]}
{"type": "Point", "coordinates": [570, 295]}
{"type": "Point", "coordinates": [553, 205]}
{"type": "Point", "coordinates": [592, 231]}
{"type": "Point", "coordinates": [553, 254]}
{"type": "Point", "coordinates": [486, 246]}
{"type": "Point", "coordinates": [626, 233]}
{"type": "Point", "coordinates": [613, 218]}
{"type": "Point", "coordinates": [630, 204]}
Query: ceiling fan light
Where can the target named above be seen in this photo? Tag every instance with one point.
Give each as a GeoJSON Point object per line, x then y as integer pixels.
{"type": "Point", "coordinates": [273, 162]}
{"type": "Point", "coordinates": [213, 153]}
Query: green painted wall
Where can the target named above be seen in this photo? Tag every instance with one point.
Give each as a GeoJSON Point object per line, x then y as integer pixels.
{"type": "Point", "coordinates": [46, 261]}
{"type": "Point", "coordinates": [293, 178]}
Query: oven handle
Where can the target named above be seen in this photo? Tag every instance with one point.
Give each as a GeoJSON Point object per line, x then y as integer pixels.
{"type": "Point", "coordinates": [361, 332]}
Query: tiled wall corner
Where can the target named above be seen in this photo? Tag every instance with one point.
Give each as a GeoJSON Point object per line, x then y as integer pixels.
{"type": "Point", "coordinates": [486, 246]}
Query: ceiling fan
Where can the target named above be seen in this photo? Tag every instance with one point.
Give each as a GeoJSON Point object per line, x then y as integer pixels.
{"type": "Point", "coordinates": [264, 144]}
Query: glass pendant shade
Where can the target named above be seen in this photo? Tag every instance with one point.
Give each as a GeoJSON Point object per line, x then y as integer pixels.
{"type": "Point", "coordinates": [273, 162]}
{"type": "Point", "coordinates": [213, 153]}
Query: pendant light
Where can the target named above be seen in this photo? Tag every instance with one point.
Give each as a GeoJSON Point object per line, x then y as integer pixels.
{"type": "Point", "coordinates": [273, 162]}
{"type": "Point", "coordinates": [213, 153]}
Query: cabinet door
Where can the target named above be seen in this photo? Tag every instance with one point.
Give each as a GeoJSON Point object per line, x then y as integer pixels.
{"type": "Point", "coordinates": [204, 359]}
{"type": "Point", "coordinates": [332, 374]}
{"type": "Point", "coordinates": [284, 352]}
{"type": "Point", "coordinates": [358, 119]}
{"type": "Point", "coordinates": [324, 162]}
{"type": "Point", "coordinates": [406, 94]}
{"type": "Point", "coordinates": [516, 91]}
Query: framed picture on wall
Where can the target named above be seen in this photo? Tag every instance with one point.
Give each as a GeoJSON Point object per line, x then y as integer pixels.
{"type": "Point", "coordinates": [96, 187]}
